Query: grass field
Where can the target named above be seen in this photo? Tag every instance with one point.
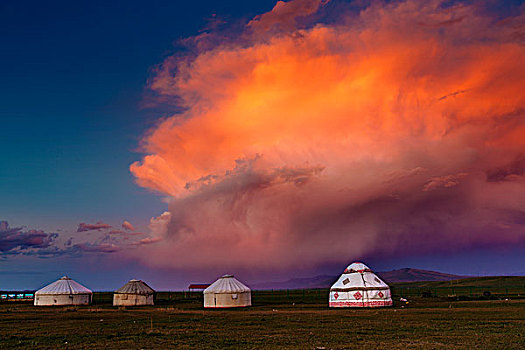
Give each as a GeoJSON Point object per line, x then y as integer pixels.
{"type": "Point", "coordinates": [275, 321]}
{"type": "Point", "coordinates": [498, 287]}
{"type": "Point", "coordinates": [496, 283]}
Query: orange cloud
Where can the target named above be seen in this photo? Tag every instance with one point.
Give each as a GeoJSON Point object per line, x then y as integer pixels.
{"type": "Point", "coordinates": [311, 125]}
{"type": "Point", "coordinates": [284, 15]}
{"type": "Point", "coordinates": [83, 227]}
{"type": "Point", "coordinates": [126, 225]}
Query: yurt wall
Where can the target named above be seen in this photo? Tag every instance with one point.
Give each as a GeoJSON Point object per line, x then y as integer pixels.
{"type": "Point", "coordinates": [63, 299]}
{"type": "Point", "coordinates": [228, 299]}
{"type": "Point", "coordinates": [132, 299]}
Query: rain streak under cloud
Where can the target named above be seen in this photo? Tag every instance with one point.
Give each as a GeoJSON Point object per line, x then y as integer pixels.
{"type": "Point", "coordinates": [314, 138]}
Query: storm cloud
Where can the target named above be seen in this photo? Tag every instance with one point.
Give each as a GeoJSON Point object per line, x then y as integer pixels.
{"type": "Point", "coordinates": [394, 129]}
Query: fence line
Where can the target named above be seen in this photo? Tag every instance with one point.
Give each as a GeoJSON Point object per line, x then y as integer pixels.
{"type": "Point", "coordinates": [319, 295]}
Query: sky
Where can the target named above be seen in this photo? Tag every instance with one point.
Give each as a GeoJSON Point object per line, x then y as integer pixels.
{"type": "Point", "coordinates": [178, 141]}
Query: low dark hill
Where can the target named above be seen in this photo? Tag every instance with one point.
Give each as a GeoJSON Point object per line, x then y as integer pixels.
{"type": "Point", "coordinates": [325, 281]}
{"type": "Point", "coordinates": [416, 275]}
{"type": "Point", "coordinates": [491, 281]}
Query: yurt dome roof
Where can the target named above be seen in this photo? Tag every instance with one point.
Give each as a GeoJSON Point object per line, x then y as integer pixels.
{"type": "Point", "coordinates": [135, 287]}
{"type": "Point", "coordinates": [65, 285]}
{"type": "Point", "coordinates": [227, 284]}
{"type": "Point", "coordinates": [357, 267]}
{"type": "Point", "coordinates": [358, 276]}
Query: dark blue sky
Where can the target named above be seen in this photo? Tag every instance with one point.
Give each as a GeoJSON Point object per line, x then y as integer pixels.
{"type": "Point", "coordinates": [73, 78]}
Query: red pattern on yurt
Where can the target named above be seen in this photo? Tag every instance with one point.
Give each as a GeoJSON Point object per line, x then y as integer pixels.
{"type": "Point", "coordinates": [360, 303]}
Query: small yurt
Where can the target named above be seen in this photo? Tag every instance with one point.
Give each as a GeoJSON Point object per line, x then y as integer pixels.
{"type": "Point", "coordinates": [227, 292]}
{"type": "Point", "coordinates": [65, 291]}
{"type": "Point", "coordinates": [135, 292]}
{"type": "Point", "coordinates": [358, 286]}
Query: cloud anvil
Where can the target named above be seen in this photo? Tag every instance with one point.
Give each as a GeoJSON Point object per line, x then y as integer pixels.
{"type": "Point", "coordinates": [382, 128]}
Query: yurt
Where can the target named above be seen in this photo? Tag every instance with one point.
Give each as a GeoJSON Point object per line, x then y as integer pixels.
{"type": "Point", "coordinates": [135, 292]}
{"type": "Point", "coordinates": [65, 291]}
{"type": "Point", "coordinates": [358, 286]}
{"type": "Point", "coordinates": [227, 292]}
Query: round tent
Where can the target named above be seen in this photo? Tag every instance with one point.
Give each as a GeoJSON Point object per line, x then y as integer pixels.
{"type": "Point", "coordinates": [135, 292]}
{"type": "Point", "coordinates": [65, 291]}
{"type": "Point", "coordinates": [358, 286]}
{"type": "Point", "coordinates": [227, 292]}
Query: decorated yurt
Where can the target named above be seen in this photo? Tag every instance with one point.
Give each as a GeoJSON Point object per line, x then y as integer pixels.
{"type": "Point", "coordinates": [135, 292]}
{"type": "Point", "coordinates": [227, 291]}
{"type": "Point", "coordinates": [65, 291]}
{"type": "Point", "coordinates": [358, 286]}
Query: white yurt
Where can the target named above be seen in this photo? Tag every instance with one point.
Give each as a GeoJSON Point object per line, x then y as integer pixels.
{"type": "Point", "coordinates": [65, 291]}
{"type": "Point", "coordinates": [135, 292]}
{"type": "Point", "coordinates": [358, 286]}
{"type": "Point", "coordinates": [227, 292]}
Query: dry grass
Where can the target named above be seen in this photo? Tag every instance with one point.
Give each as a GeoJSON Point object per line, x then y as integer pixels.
{"type": "Point", "coordinates": [422, 324]}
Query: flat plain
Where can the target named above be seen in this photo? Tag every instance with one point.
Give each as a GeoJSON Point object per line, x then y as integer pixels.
{"type": "Point", "coordinates": [278, 319]}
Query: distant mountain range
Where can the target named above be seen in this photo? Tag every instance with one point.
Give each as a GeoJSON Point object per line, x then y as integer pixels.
{"type": "Point", "coordinates": [325, 281]}
{"type": "Point", "coordinates": [416, 275]}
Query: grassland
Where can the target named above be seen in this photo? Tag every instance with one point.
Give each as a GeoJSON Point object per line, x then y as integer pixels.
{"type": "Point", "coordinates": [289, 320]}
{"type": "Point", "coordinates": [491, 282]}
{"type": "Point", "coordinates": [503, 287]}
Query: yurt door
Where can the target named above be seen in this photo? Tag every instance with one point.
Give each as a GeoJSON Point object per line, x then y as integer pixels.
{"type": "Point", "coordinates": [365, 291]}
